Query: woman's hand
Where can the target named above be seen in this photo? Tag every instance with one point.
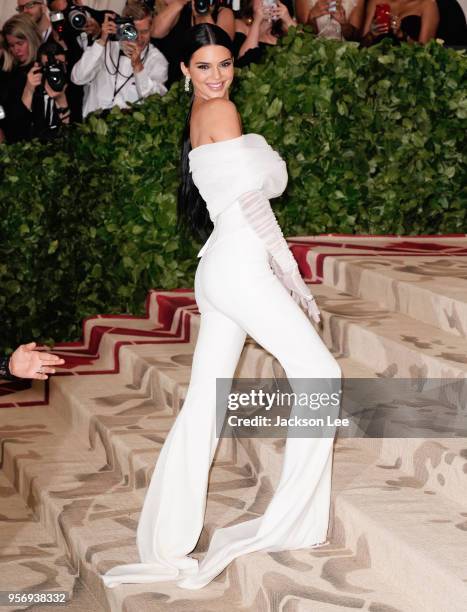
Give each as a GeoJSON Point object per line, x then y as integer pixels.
{"type": "Point", "coordinates": [377, 28]}
{"type": "Point", "coordinates": [260, 12]}
{"type": "Point", "coordinates": [34, 77]}
{"type": "Point", "coordinates": [25, 362]}
{"type": "Point", "coordinates": [395, 25]}
{"type": "Point", "coordinates": [280, 11]}
{"type": "Point", "coordinates": [318, 10]}
{"type": "Point", "coordinates": [293, 281]}
{"type": "Point", "coordinates": [339, 14]}
{"type": "Point", "coordinates": [33, 80]}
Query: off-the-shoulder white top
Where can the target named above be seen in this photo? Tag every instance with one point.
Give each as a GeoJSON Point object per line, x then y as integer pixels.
{"type": "Point", "coordinates": [224, 170]}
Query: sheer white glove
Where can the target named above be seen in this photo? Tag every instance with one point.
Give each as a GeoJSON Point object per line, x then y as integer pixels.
{"type": "Point", "coordinates": [258, 213]}
{"type": "Point", "coordinates": [301, 293]}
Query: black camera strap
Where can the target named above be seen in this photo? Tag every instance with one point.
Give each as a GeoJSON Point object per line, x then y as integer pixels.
{"type": "Point", "coordinates": [117, 73]}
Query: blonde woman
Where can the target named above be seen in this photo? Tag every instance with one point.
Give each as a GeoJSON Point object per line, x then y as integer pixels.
{"type": "Point", "coordinates": [20, 40]}
{"type": "Point", "coordinates": [27, 105]}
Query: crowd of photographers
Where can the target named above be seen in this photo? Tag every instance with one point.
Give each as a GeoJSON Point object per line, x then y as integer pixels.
{"type": "Point", "coordinates": [61, 60]}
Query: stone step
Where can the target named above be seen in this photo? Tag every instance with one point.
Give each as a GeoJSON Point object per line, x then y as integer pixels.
{"type": "Point", "coordinates": [127, 401]}
{"type": "Point", "coordinates": [311, 252]}
{"type": "Point", "coordinates": [115, 441]}
{"type": "Point", "coordinates": [30, 560]}
{"type": "Point", "coordinates": [390, 343]}
{"type": "Point", "coordinates": [398, 524]}
{"type": "Point", "coordinates": [66, 491]}
{"type": "Point", "coordinates": [97, 518]}
{"type": "Point", "coordinates": [171, 368]}
{"type": "Point", "coordinates": [429, 289]}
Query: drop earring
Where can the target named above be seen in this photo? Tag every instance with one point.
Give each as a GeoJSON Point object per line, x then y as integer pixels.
{"type": "Point", "coordinates": [187, 83]}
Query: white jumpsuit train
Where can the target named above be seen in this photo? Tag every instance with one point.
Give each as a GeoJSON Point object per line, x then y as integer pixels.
{"type": "Point", "coordinates": [237, 294]}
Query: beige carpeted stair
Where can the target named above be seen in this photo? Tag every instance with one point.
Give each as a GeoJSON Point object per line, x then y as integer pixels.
{"type": "Point", "coordinates": [74, 470]}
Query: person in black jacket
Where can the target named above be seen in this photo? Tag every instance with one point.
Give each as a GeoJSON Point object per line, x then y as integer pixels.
{"type": "Point", "coordinates": [20, 40]}
{"type": "Point", "coordinates": [32, 108]}
{"type": "Point", "coordinates": [44, 107]}
{"type": "Point", "coordinates": [26, 362]}
{"type": "Point", "coordinates": [2, 102]}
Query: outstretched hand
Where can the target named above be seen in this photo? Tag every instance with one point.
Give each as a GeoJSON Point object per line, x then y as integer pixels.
{"type": "Point", "coordinates": [25, 362]}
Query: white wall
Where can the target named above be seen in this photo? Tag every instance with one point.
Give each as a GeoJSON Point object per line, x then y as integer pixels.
{"type": "Point", "coordinates": [7, 7]}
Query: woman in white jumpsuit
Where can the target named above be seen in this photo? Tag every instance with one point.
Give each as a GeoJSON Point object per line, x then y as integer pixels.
{"type": "Point", "coordinates": [237, 293]}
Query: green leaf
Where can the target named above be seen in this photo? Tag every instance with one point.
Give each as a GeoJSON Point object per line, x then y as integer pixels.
{"type": "Point", "coordinates": [53, 246]}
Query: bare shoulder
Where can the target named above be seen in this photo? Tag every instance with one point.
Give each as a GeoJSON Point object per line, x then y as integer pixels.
{"type": "Point", "coordinates": [430, 8]}
{"type": "Point", "coordinates": [221, 119]}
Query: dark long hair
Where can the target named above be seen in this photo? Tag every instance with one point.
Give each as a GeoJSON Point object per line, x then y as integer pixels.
{"type": "Point", "coordinates": [192, 214]}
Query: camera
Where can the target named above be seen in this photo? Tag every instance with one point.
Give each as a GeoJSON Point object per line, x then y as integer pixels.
{"type": "Point", "coordinates": [77, 17]}
{"type": "Point", "coordinates": [57, 19]}
{"type": "Point", "coordinates": [54, 73]}
{"type": "Point", "coordinates": [202, 6]}
{"type": "Point", "coordinates": [126, 30]}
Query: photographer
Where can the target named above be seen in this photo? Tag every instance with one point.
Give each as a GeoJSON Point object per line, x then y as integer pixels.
{"type": "Point", "coordinates": [77, 27]}
{"type": "Point", "coordinates": [124, 70]}
{"type": "Point", "coordinates": [20, 41]}
{"type": "Point", "coordinates": [37, 10]}
{"type": "Point", "coordinates": [44, 95]}
{"type": "Point", "coordinates": [171, 25]}
{"type": "Point", "coordinates": [2, 100]}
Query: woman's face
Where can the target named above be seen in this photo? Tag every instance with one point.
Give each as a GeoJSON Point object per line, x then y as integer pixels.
{"type": "Point", "coordinates": [211, 70]}
{"type": "Point", "coordinates": [19, 48]}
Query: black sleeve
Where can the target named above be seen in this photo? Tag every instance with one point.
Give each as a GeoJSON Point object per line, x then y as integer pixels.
{"type": "Point", "coordinates": [252, 56]}
{"type": "Point", "coordinates": [238, 41]}
{"type": "Point", "coordinates": [5, 370]}
{"type": "Point", "coordinates": [452, 26]}
{"type": "Point", "coordinates": [18, 119]}
{"type": "Point", "coordinates": [290, 6]}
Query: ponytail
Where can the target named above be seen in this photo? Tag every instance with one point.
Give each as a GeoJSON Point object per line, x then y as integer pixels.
{"type": "Point", "coordinates": [192, 213]}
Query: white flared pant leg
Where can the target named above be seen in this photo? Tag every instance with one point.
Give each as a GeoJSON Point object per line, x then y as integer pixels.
{"type": "Point", "coordinates": [173, 512]}
{"type": "Point", "coordinates": [238, 280]}
{"type": "Point", "coordinates": [237, 293]}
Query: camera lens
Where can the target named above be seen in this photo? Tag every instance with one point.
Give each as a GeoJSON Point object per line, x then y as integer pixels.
{"type": "Point", "coordinates": [128, 32]}
{"type": "Point", "coordinates": [77, 19]}
{"type": "Point", "coordinates": [201, 6]}
{"type": "Point", "coordinates": [55, 78]}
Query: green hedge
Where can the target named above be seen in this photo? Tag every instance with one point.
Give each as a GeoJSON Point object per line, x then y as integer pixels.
{"type": "Point", "coordinates": [374, 141]}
